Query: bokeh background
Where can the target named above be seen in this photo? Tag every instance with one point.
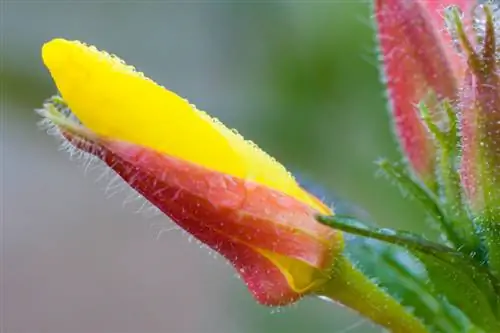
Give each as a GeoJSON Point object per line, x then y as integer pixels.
{"type": "Point", "coordinates": [300, 78]}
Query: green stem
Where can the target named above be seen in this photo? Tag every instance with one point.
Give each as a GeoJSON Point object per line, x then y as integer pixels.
{"type": "Point", "coordinates": [352, 288]}
{"type": "Point", "coordinates": [490, 230]}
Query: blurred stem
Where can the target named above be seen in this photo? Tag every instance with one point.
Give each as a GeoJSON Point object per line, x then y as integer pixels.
{"type": "Point", "coordinates": [355, 290]}
{"type": "Point", "coordinates": [446, 142]}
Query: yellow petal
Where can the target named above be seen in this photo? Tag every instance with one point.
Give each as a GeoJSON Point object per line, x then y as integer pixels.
{"type": "Point", "coordinates": [113, 99]}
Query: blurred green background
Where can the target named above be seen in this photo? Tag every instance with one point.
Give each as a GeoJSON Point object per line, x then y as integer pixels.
{"type": "Point", "coordinates": [299, 78]}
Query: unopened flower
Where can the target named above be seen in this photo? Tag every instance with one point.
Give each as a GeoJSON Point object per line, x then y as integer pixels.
{"type": "Point", "coordinates": [217, 186]}
{"type": "Point", "coordinates": [420, 65]}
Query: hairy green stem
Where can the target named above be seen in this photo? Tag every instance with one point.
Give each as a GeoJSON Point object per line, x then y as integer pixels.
{"type": "Point", "coordinates": [355, 290]}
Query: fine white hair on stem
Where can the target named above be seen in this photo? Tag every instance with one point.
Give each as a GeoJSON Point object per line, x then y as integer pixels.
{"type": "Point", "coordinates": [160, 228]}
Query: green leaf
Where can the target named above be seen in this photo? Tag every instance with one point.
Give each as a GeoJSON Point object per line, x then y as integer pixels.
{"type": "Point", "coordinates": [405, 278]}
{"type": "Point", "coordinates": [402, 238]}
{"type": "Point", "coordinates": [452, 220]}
{"type": "Point", "coordinates": [465, 287]}
{"type": "Point", "coordinates": [463, 282]}
{"type": "Point", "coordinates": [412, 188]}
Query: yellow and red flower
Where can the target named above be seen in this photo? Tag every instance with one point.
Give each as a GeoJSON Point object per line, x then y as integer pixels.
{"type": "Point", "coordinates": [214, 184]}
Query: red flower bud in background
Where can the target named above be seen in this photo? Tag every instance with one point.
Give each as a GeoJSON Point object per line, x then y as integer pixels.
{"type": "Point", "coordinates": [419, 62]}
{"type": "Point", "coordinates": [218, 187]}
